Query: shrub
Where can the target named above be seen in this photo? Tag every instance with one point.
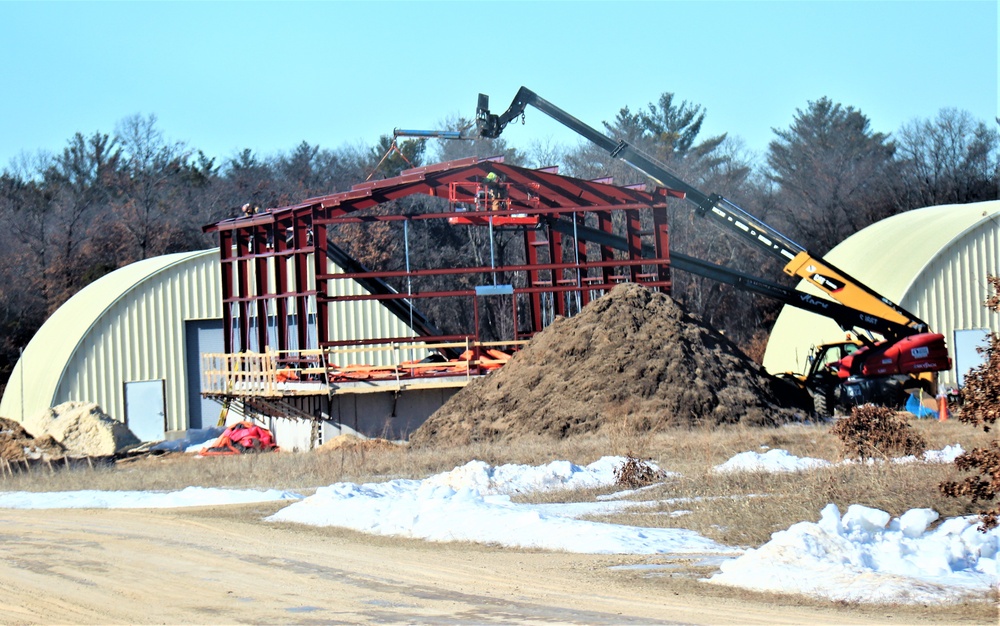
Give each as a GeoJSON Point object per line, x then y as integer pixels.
{"type": "Point", "coordinates": [877, 431]}
{"type": "Point", "coordinates": [635, 473]}
{"type": "Point", "coordinates": [980, 396]}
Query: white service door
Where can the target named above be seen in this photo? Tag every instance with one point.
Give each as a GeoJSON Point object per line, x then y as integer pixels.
{"type": "Point", "coordinates": [967, 355]}
{"type": "Point", "coordinates": [146, 409]}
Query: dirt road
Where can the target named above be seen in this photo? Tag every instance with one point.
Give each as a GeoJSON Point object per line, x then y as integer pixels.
{"type": "Point", "coordinates": [200, 566]}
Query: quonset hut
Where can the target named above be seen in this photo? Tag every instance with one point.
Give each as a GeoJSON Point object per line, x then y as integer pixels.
{"type": "Point", "coordinates": [133, 342]}
{"type": "Point", "coordinates": [129, 342]}
{"type": "Point", "coordinates": [932, 261]}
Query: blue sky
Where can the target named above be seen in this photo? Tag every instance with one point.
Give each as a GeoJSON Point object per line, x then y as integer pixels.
{"type": "Point", "coordinates": [226, 76]}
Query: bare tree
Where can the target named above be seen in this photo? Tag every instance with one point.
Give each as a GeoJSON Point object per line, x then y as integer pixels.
{"type": "Point", "coordinates": [148, 188]}
{"type": "Point", "coordinates": [950, 159]}
{"type": "Point", "coordinates": [83, 181]}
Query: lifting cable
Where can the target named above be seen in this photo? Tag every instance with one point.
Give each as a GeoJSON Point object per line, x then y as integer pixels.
{"type": "Point", "coordinates": [392, 148]}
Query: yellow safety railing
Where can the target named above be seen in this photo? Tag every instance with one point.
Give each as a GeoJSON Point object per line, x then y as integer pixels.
{"type": "Point", "coordinates": [275, 373]}
{"type": "Point", "coordinates": [256, 373]}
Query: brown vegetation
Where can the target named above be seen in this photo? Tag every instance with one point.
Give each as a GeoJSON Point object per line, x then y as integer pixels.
{"type": "Point", "coordinates": [738, 509]}
{"type": "Point", "coordinates": [981, 408]}
{"type": "Point", "coordinates": [872, 431]}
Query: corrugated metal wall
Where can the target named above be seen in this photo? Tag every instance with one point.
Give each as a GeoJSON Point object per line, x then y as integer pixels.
{"type": "Point", "coordinates": [141, 337]}
{"type": "Point", "coordinates": [948, 294]}
{"type": "Point", "coordinates": [364, 320]}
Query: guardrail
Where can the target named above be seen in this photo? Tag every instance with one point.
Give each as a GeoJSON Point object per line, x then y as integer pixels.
{"type": "Point", "coordinates": [307, 372]}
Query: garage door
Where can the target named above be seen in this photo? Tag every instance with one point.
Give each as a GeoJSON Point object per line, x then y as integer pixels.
{"type": "Point", "coordinates": [201, 336]}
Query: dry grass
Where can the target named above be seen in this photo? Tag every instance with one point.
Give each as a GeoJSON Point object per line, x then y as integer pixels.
{"type": "Point", "coordinates": [738, 509]}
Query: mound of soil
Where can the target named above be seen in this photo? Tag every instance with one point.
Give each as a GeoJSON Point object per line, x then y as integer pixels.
{"type": "Point", "coordinates": [83, 429]}
{"type": "Point", "coordinates": [17, 445]}
{"type": "Point", "coordinates": [632, 355]}
{"type": "Point", "coordinates": [352, 442]}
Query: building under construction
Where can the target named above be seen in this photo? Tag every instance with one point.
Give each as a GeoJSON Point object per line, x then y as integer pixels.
{"type": "Point", "coordinates": [296, 347]}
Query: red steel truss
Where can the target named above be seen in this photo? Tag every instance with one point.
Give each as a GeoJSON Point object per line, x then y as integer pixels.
{"type": "Point", "coordinates": [579, 238]}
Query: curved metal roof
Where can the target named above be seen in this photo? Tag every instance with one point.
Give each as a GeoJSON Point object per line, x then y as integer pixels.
{"type": "Point", "coordinates": [891, 257]}
{"type": "Point", "coordinates": [43, 364]}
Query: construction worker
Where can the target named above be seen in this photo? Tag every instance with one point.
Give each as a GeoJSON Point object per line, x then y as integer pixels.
{"type": "Point", "coordinates": [495, 191]}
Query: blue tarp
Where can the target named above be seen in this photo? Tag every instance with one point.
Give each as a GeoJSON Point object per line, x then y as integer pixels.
{"type": "Point", "coordinates": [913, 406]}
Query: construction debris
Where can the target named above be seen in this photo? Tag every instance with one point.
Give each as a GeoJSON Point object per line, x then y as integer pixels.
{"type": "Point", "coordinates": [83, 429]}
{"type": "Point", "coordinates": [632, 355]}
{"type": "Point", "coordinates": [242, 438]}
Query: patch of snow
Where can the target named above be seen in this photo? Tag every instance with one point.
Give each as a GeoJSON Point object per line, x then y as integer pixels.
{"type": "Point", "coordinates": [771, 461]}
{"type": "Point", "coordinates": [512, 478]}
{"type": "Point", "coordinates": [91, 499]}
{"type": "Point", "coordinates": [778, 460]}
{"type": "Point", "coordinates": [865, 556]}
{"type": "Point", "coordinates": [472, 503]}
{"type": "Point", "coordinates": [194, 440]}
{"type": "Point", "coordinates": [948, 454]}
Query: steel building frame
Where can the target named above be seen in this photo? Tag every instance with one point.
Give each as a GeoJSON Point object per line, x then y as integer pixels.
{"type": "Point", "coordinates": [571, 251]}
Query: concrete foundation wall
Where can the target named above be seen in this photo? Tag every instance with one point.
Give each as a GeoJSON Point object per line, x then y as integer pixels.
{"type": "Point", "coordinates": [390, 415]}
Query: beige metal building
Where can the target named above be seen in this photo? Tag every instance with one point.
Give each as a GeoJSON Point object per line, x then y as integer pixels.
{"type": "Point", "coordinates": [122, 335]}
{"type": "Point", "coordinates": [132, 342]}
{"type": "Point", "coordinates": [932, 261]}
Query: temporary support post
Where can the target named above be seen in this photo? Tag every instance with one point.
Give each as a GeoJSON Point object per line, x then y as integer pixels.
{"type": "Point", "coordinates": [316, 241]}
{"type": "Point", "coordinates": [633, 228]}
{"type": "Point", "coordinates": [661, 244]}
{"type": "Point", "coordinates": [258, 246]}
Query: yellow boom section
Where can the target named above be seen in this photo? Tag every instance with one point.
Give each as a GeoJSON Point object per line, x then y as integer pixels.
{"type": "Point", "coordinates": [842, 288]}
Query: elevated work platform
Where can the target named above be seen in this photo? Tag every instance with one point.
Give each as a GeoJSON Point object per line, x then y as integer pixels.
{"type": "Point", "coordinates": [270, 374]}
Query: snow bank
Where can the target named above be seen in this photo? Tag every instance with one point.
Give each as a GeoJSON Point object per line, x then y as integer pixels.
{"type": "Point", "coordinates": [864, 556]}
{"type": "Point", "coordinates": [770, 461]}
{"type": "Point", "coordinates": [775, 461]}
{"type": "Point", "coordinates": [513, 478]}
{"type": "Point", "coordinates": [472, 503]}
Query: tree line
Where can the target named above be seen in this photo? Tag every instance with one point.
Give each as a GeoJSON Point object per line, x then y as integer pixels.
{"type": "Point", "coordinates": [109, 199]}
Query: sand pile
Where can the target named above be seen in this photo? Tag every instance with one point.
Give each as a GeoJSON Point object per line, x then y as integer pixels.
{"type": "Point", "coordinates": [83, 429]}
{"type": "Point", "coordinates": [355, 443]}
{"type": "Point", "coordinates": [17, 445]}
{"type": "Point", "coordinates": [632, 354]}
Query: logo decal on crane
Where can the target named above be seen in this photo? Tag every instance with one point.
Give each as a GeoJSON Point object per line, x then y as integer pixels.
{"type": "Point", "coordinates": [830, 284]}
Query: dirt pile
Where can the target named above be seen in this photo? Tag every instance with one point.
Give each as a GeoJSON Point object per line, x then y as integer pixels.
{"type": "Point", "coordinates": [17, 445]}
{"type": "Point", "coordinates": [82, 428]}
{"type": "Point", "coordinates": [355, 443]}
{"type": "Point", "coordinates": [633, 354]}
